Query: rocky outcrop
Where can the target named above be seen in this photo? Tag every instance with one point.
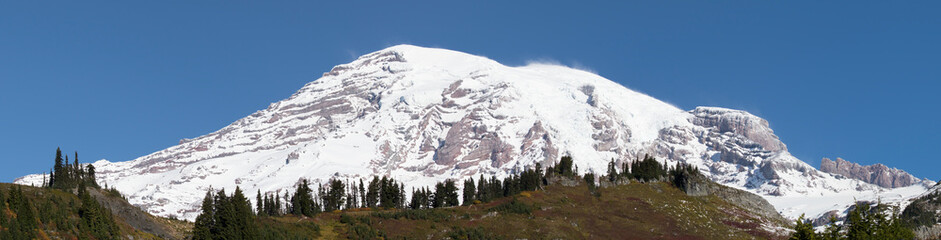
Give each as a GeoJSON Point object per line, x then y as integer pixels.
{"type": "Point", "coordinates": [701, 186]}
{"type": "Point", "coordinates": [741, 123]}
{"type": "Point", "coordinates": [877, 174]}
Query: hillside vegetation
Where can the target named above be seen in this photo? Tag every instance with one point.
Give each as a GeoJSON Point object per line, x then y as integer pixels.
{"type": "Point", "coordinates": [657, 203]}
{"type": "Point", "coordinates": [44, 213]}
{"type": "Point", "coordinates": [636, 210]}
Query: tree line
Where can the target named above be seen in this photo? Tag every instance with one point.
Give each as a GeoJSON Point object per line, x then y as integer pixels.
{"type": "Point", "coordinates": [863, 222]}
{"type": "Point", "coordinates": [224, 217]}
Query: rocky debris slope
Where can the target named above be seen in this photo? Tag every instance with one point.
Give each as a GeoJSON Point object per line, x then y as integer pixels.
{"type": "Point", "coordinates": [135, 217]}
{"type": "Point", "coordinates": [924, 213]}
{"type": "Point", "coordinates": [877, 174]}
{"type": "Point", "coordinates": [701, 186]}
{"type": "Point", "coordinates": [424, 115]}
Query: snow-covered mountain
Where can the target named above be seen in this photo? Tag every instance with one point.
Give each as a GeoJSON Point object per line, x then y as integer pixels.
{"type": "Point", "coordinates": [424, 114]}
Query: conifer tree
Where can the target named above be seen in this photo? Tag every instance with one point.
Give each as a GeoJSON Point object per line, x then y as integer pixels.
{"type": "Point", "coordinates": [450, 193]}
{"type": "Point", "coordinates": [613, 175]}
{"type": "Point", "coordinates": [362, 194]}
{"type": "Point", "coordinates": [565, 166]}
{"type": "Point", "coordinates": [205, 221]}
{"type": "Point", "coordinates": [243, 221]}
{"type": "Point", "coordinates": [302, 202]}
{"type": "Point", "coordinates": [803, 230]}
{"type": "Point", "coordinates": [333, 200]}
{"type": "Point", "coordinates": [259, 204]}
{"type": "Point", "coordinates": [482, 190]}
{"type": "Point", "coordinates": [372, 195]}
{"type": "Point", "coordinates": [469, 192]}
{"type": "Point", "coordinates": [58, 172]}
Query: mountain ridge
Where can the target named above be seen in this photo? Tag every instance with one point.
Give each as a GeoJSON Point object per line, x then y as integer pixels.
{"type": "Point", "coordinates": [877, 174]}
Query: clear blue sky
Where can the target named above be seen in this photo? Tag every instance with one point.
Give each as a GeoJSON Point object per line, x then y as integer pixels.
{"type": "Point", "coordinates": [120, 80]}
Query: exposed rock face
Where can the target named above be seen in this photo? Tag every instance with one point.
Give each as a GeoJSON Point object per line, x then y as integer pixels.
{"type": "Point", "coordinates": [877, 174]}
{"type": "Point", "coordinates": [741, 123]}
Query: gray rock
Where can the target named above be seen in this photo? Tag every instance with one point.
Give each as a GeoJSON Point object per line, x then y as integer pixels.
{"type": "Point", "coordinates": [877, 174]}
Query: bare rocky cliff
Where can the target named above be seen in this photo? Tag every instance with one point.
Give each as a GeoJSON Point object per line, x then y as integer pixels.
{"type": "Point", "coordinates": [877, 174]}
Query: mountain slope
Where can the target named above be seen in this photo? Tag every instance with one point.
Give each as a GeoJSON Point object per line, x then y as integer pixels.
{"type": "Point", "coordinates": [635, 210]}
{"type": "Point", "coordinates": [59, 215]}
{"type": "Point", "coordinates": [424, 114]}
{"type": "Point", "coordinates": [923, 213]}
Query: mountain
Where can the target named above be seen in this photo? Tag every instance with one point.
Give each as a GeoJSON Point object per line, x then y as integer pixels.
{"type": "Point", "coordinates": [877, 174]}
{"type": "Point", "coordinates": [424, 114]}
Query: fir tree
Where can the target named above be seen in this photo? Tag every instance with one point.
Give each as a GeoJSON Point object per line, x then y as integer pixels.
{"type": "Point", "coordinates": [469, 192]}
{"type": "Point", "coordinates": [565, 166]}
{"type": "Point", "coordinates": [362, 194]}
{"type": "Point", "coordinates": [303, 201]}
{"type": "Point", "coordinates": [482, 193]}
{"type": "Point", "coordinates": [333, 200]}
{"type": "Point", "coordinates": [803, 230]}
{"type": "Point", "coordinates": [372, 195]}
{"type": "Point", "coordinates": [259, 204]}
{"type": "Point", "coordinates": [613, 175]}
{"type": "Point", "coordinates": [205, 221]}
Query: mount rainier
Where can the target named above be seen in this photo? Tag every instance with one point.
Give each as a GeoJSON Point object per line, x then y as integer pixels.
{"type": "Point", "coordinates": [424, 114]}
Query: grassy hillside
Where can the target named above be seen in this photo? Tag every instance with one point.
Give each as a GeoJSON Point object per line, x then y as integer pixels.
{"type": "Point", "coordinates": [637, 211]}
{"type": "Point", "coordinates": [53, 214]}
{"type": "Point", "coordinates": [632, 211]}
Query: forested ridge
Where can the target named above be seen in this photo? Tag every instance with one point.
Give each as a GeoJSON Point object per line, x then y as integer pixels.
{"type": "Point", "coordinates": [62, 208]}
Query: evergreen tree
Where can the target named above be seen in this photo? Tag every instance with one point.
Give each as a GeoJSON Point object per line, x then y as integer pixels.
{"type": "Point", "coordinates": [469, 192]}
{"type": "Point", "coordinates": [302, 202]}
{"type": "Point", "coordinates": [385, 195]}
{"type": "Point", "coordinates": [24, 222]}
{"type": "Point", "coordinates": [833, 231]}
{"type": "Point", "coordinates": [803, 230]}
{"type": "Point", "coordinates": [225, 217]}
{"type": "Point", "coordinates": [865, 222]}
{"type": "Point", "coordinates": [482, 190]}
{"type": "Point", "coordinates": [415, 203]}
{"type": "Point", "coordinates": [278, 209]}
{"type": "Point", "coordinates": [402, 203]}
{"type": "Point", "coordinates": [205, 221]}
{"type": "Point", "coordinates": [565, 166]}
{"type": "Point", "coordinates": [438, 198]}
{"type": "Point", "coordinates": [613, 175]}
{"type": "Point", "coordinates": [90, 175]}
{"type": "Point", "coordinates": [58, 178]}
{"type": "Point", "coordinates": [495, 188]}
{"type": "Point", "coordinates": [333, 200]}
{"type": "Point", "coordinates": [592, 187]}
{"type": "Point", "coordinates": [450, 189]}
{"type": "Point", "coordinates": [648, 169]}
{"type": "Point", "coordinates": [362, 194]}
{"type": "Point", "coordinates": [260, 204]}
{"type": "Point", "coordinates": [372, 195]}
{"type": "Point", "coordinates": [243, 222]}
